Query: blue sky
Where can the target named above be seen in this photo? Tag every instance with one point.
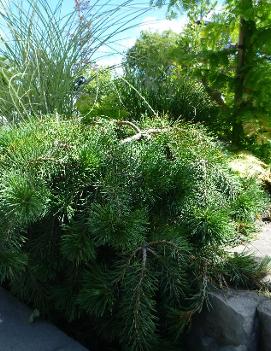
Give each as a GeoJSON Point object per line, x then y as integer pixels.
{"type": "Point", "coordinates": [152, 19]}
{"type": "Point", "coordinates": [147, 18]}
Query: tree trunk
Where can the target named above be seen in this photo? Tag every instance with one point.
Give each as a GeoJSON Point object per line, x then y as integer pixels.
{"type": "Point", "coordinates": [245, 60]}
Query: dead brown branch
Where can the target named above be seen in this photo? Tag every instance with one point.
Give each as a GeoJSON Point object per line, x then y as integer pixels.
{"type": "Point", "coordinates": [140, 134]}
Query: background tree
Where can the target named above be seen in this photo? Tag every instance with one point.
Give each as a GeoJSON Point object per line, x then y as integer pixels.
{"type": "Point", "coordinates": [229, 52]}
{"type": "Point", "coordinates": [153, 66]}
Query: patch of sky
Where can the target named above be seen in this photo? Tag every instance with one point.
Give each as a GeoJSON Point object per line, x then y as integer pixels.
{"type": "Point", "coordinates": [115, 24]}
{"type": "Point", "coordinates": [130, 19]}
{"type": "Point", "coordinates": [135, 16]}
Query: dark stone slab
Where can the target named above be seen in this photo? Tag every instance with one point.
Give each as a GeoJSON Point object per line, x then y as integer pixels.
{"type": "Point", "coordinates": [228, 323]}
{"type": "Point", "coordinates": [231, 319]}
{"type": "Point", "coordinates": [17, 334]}
{"type": "Point", "coordinates": [264, 313]}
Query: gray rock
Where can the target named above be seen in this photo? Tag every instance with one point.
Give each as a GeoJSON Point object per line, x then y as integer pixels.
{"type": "Point", "coordinates": [233, 348]}
{"type": "Point", "coordinates": [207, 344]}
{"type": "Point", "coordinates": [264, 313]}
{"type": "Point", "coordinates": [231, 318]}
{"type": "Point", "coordinates": [17, 334]}
{"type": "Point", "coordinates": [230, 323]}
{"type": "Point", "coordinates": [201, 343]}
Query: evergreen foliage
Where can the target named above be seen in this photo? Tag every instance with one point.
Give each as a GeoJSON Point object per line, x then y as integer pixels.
{"type": "Point", "coordinates": [122, 233]}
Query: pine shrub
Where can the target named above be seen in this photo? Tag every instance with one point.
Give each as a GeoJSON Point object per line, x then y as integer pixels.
{"type": "Point", "coordinates": [124, 233]}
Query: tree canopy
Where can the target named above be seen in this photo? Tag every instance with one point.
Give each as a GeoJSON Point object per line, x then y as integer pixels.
{"type": "Point", "coordinates": [228, 49]}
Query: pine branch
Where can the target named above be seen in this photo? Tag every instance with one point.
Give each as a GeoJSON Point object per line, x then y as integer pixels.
{"type": "Point", "coordinates": [138, 306]}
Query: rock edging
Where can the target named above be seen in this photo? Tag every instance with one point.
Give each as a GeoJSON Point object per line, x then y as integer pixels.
{"type": "Point", "coordinates": [17, 334]}
{"type": "Point", "coordinates": [235, 320]}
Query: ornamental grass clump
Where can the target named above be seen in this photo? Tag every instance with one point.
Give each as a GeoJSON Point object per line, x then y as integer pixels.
{"type": "Point", "coordinates": [120, 228]}
{"type": "Point", "coordinates": [44, 51]}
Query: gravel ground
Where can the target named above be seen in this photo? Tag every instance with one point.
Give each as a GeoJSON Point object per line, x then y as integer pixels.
{"type": "Point", "coordinates": [260, 246]}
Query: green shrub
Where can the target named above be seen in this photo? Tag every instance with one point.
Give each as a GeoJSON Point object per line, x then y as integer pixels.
{"type": "Point", "coordinates": [177, 95]}
{"type": "Point", "coordinates": [120, 233]}
{"type": "Point", "coordinates": [130, 97]}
